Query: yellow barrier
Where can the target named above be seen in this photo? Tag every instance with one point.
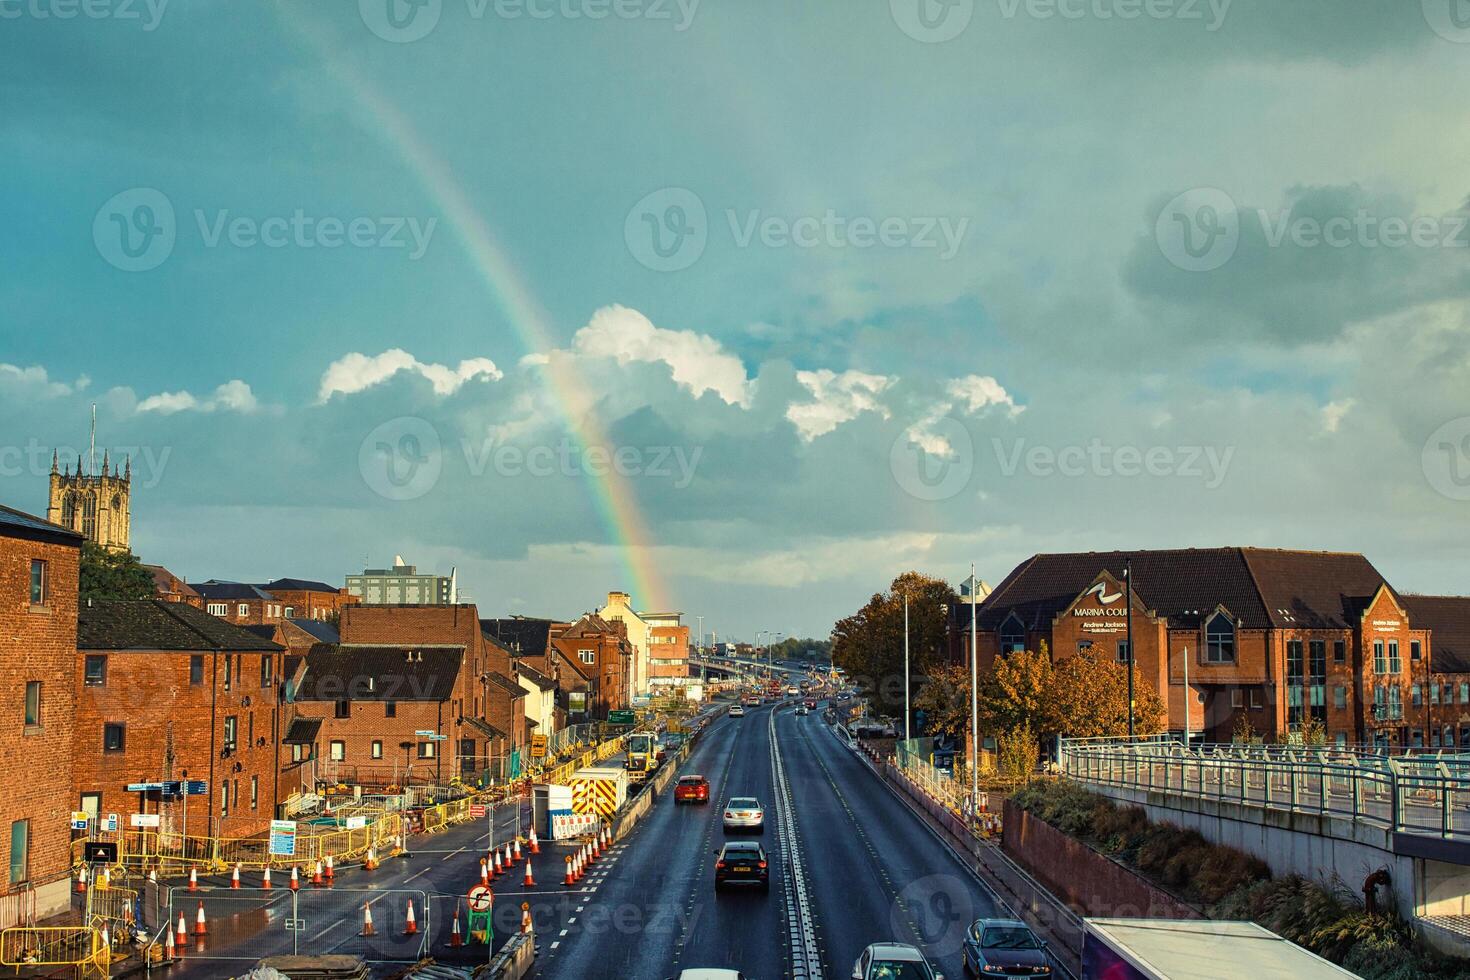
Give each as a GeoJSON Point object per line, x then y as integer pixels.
{"type": "Point", "coordinates": [51, 946]}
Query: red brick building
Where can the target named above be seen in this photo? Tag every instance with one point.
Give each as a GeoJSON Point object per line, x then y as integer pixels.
{"type": "Point", "coordinates": [240, 604]}
{"type": "Point", "coordinates": [305, 599]}
{"type": "Point", "coordinates": [166, 692]}
{"type": "Point", "coordinates": [529, 642]}
{"type": "Point", "coordinates": [170, 588]}
{"type": "Point", "coordinates": [601, 652]}
{"type": "Point", "coordinates": [1279, 637]}
{"type": "Point", "coordinates": [668, 650]}
{"type": "Point", "coordinates": [38, 637]}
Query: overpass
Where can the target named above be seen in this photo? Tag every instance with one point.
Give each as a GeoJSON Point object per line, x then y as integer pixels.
{"type": "Point", "coordinates": [1313, 811]}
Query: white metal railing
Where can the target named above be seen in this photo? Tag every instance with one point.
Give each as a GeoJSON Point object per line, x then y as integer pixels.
{"type": "Point", "coordinates": [1420, 794]}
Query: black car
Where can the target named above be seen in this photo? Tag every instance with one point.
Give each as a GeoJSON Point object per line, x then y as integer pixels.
{"type": "Point", "coordinates": [742, 862]}
{"type": "Point", "coordinates": [1004, 948]}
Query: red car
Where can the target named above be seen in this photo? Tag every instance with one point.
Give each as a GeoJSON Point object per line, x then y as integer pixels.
{"type": "Point", "coordinates": [691, 789]}
{"type": "Point", "coordinates": [811, 704]}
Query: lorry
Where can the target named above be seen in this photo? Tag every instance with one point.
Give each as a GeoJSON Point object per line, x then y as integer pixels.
{"type": "Point", "coordinates": [642, 756]}
{"type": "Point", "coordinates": [1173, 949]}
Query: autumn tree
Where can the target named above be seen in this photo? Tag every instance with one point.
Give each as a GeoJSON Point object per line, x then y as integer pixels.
{"type": "Point", "coordinates": [1017, 754]}
{"type": "Point", "coordinates": [1018, 691]}
{"type": "Point", "coordinates": [1091, 698]}
{"type": "Point", "coordinates": [869, 643]}
{"type": "Point", "coordinates": [944, 698]}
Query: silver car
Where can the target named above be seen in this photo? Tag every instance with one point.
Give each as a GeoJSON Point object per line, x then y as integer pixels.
{"type": "Point", "coordinates": [893, 961]}
{"type": "Point", "coordinates": [744, 813]}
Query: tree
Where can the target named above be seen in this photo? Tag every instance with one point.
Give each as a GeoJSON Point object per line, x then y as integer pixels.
{"type": "Point", "coordinates": [1018, 692]}
{"type": "Point", "coordinates": [869, 643]}
{"type": "Point", "coordinates": [112, 575]}
{"type": "Point", "coordinates": [1017, 754]}
{"type": "Point", "coordinates": [1091, 699]}
{"type": "Point", "coordinates": [944, 697]}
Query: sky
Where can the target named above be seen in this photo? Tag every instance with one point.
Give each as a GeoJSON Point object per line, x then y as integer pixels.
{"type": "Point", "coordinates": [744, 307]}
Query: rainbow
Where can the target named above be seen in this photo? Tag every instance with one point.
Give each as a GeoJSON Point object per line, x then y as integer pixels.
{"type": "Point", "coordinates": [612, 495]}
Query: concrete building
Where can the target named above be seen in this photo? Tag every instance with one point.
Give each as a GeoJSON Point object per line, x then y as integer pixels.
{"type": "Point", "coordinates": [38, 649]}
{"type": "Point", "coordinates": [404, 584]}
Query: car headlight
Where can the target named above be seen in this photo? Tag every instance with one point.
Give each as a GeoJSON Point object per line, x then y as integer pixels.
{"type": "Point", "coordinates": [987, 968]}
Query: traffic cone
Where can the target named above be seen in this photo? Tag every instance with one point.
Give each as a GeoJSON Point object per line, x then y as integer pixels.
{"type": "Point", "coordinates": [595, 848]}
{"type": "Point", "coordinates": [266, 880]}
{"type": "Point", "coordinates": [170, 951]}
{"type": "Point", "coordinates": [569, 880]}
{"type": "Point", "coordinates": [529, 881]}
{"type": "Point", "coordinates": [199, 927]}
{"type": "Point", "coordinates": [410, 927]}
{"type": "Point", "coordinates": [316, 876]}
{"type": "Point", "coordinates": [371, 864]}
{"type": "Point", "coordinates": [535, 844]}
{"type": "Point", "coordinates": [82, 880]}
{"type": "Point", "coordinates": [526, 927]}
{"type": "Point", "coordinates": [499, 868]}
{"type": "Point", "coordinates": [367, 920]}
{"type": "Point", "coordinates": [295, 878]}
{"type": "Point", "coordinates": [485, 872]}
{"type": "Point", "coordinates": [518, 849]}
{"type": "Point", "coordinates": [235, 877]}
{"type": "Point", "coordinates": [455, 939]}
{"type": "Point", "coordinates": [183, 930]}
{"type": "Point", "coordinates": [193, 879]}
{"type": "Point", "coordinates": [331, 872]}
{"type": "Point", "coordinates": [510, 861]}
{"type": "Point", "coordinates": [106, 878]}
{"type": "Point", "coordinates": [106, 952]}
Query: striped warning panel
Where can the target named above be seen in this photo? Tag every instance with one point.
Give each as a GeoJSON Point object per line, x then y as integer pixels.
{"type": "Point", "coordinates": [598, 796]}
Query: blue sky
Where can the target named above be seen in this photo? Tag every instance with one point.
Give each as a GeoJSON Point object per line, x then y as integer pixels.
{"type": "Point", "coordinates": [965, 257]}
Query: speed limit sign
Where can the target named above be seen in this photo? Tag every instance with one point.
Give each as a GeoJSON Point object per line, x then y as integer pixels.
{"type": "Point", "coordinates": [481, 898]}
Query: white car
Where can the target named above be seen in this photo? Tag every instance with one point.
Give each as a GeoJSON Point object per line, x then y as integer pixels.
{"type": "Point", "coordinates": [744, 813]}
{"type": "Point", "coordinates": [893, 961]}
{"type": "Point", "coordinates": [793, 691]}
{"type": "Point", "coordinates": [737, 711]}
{"type": "Point", "coordinates": [712, 975]}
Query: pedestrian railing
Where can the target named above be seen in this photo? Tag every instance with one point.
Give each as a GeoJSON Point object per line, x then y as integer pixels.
{"type": "Point", "coordinates": [45, 946]}
{"type": "Point", "coordinates": [1420, 794]}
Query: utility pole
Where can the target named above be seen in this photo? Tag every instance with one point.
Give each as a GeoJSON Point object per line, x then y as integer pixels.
{"type": "Point", "coordinates": [1187, 697]}
{"type": "Point", "coordinates": [974, 701]}
{"type": "Point", "coordinates": [907, 710]}
{"type": "Point", "coordinates": [1128, 576]}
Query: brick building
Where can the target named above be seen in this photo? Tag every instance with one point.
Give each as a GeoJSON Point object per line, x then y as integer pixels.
{"type": "Point", "coordinates": [170, 588]}
{"type": "Point", "coordinates": [38, 638]}
{"type": "Point", "coordinates": [528, 641]}
{"type": "Point", "coordinates": [602, 653]}
{"type": "Point", "coordinates": [167, 692]}
{"type": "Point", "coordinates": [668, 650]}
{"type": "Point", "coordinates": [240, 604]}
{"type": "Point", "coordinates": [296, 775]}
{"type": "Point", "coordinates": [305, 599]}
{"type": "Point", "coordinates": [1279, 637]}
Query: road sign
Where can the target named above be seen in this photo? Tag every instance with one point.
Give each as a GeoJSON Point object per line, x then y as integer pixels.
{"type": "Point", "coordinates": [144, 787]}
{"type": "Point", "coordinates": [144, 820]}
{"type": "Point", "coordinates": [100, 852]}
{"type": "Point", "coordinates": [283, 838]}
{"type": "Point", "coordinates": [295, 924]}
{"type": "Point", "coordinates": [477, 811]}
{"type": "Point", "coordinates": [196, 787]}
{"type": "Point", "coordinates": [538, 745]}
{"type": "Point", "coordinates": [481, 898]}
{"type": "Point", "coordinates": [111, 823]}
{"type": "Point", "coordinates": [356, 823]}
{"type": "Point", "coordinates": [621, 717]}
{"type": "Point", "coordinates": [425, 732]}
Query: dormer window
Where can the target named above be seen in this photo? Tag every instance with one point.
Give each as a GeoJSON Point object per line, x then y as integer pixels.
{"type": "Point", "coordinates": [1219, 639]}
{"type": "Point", "coordinates": [1012, 635]}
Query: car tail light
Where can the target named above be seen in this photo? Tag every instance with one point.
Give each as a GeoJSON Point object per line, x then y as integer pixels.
{"type": "Point", "coordinates": [762, 865]}
{"type": "Point", "coordinates": [719, 865]}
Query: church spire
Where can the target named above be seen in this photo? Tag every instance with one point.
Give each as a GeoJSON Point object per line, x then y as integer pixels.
{"type": "Point", "coordinates": [55, 461]}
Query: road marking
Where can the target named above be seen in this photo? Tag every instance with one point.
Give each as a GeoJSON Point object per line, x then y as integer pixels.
{"type": "Point", "coordinates": [556, 944]}
{"type": "Point", "coordinates": [416, 874]}
{"type": "Point", "coordinates": [327, 930]}
{"type": "Point", "coordinates": [452, 854]}
{"type": "Point", "coordinates": [806, 959]}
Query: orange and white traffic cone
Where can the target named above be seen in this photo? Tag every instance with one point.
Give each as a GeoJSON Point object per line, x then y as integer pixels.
{"type": "Point", "coordinates": [183, 929]}
{"type": "Point", "coordinates": [199, 927]}
{"type": "Point", "coordinates": [526, 927]}
{"type": "Point", "coordinates": [510, 861]}
{"type": "Point", "coordinates": [193, 879]}
{"type": "Point", "coordinates": [485, 872]}
{"type": "Point", "coordinates": [518, 849]}
{"type": "Point", "coordinates": [569, 880]}
{"type": "Point", "coordinates": [82, 880]}
{"type": "Point", "coordinates": [316, 876]}
{"type": "Point", "coordinates": [535, 844]}
{"type": "Point", "coordinates": [367, 920]}
{"type": "Point", "coordinates": [594, 850]}
{"type": "Point", "coordinates": [410, 925]}
{"type": "Point", "coordinates": [528, 881]}
{"type": "Point", "coordinates": [371, 864]}
{"type": "Point", "coordinates": [331, 872]}
{"type": "Point", "coordinates": [235, 877]}
{"type": "Point", "coordinates": [295, 878]}
{"type": "Point", "coordinates": [170, 951]}
{"type": "Point", "coordinates": [499, 868]}
{"type": "Point", "coordinates": [265, 881]}
{"type": "Point", "coordinates": [106, 881]}
{"type": "Point", "coordinates": [455, 939]}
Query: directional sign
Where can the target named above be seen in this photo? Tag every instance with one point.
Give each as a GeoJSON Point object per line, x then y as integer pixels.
{"type": "Point", "coordinates": [621, 717]}
{"type": "Point", "coordinates": [144, 820]}
{"type": "Point", "coordinates": [283, 838]}
{"type": "Point", "coordinates": [481, 898]}
{"type": "Point", "coordinates": [538, 745]}
{"type": "Point", "coordinates": [144, 787]}
{"type": "Point", "coordinates": [425, 733]}
{"type": "Point", "coordinates": [197, 787]}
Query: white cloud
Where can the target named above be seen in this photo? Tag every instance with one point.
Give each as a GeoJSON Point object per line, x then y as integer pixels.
{"type": "Point", "coordinates": [979, 392]}
{"type": "Point", "coordinates": [697, 362]}
{"type": "Point", "coordinates": [37, 380]}
{"type": "Point", "coordinates": [232, 396]}
{"type": "Point", "coordinates": [356, 372]}
{"type": "Point", "coordinates": [836, 398]}
{"type": "Point", "coordinates": [1333, 412]}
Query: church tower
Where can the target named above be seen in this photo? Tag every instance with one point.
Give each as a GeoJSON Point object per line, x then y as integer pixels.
{"type": "Point", "coordinates": [95, 504]}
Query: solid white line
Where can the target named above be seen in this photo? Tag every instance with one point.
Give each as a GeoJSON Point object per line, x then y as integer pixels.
{"type": "Point", "coordinates": [327, 930]}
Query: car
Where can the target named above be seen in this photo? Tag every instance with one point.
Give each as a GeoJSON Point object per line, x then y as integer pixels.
{"type": "Point", "coordinates": [710, 974]}
{"type": "Point", "coordinates": [742, 862]}
{"type": "Point", "coordinates": [803, 710]}
{"type": "Point", "coordinates": [744, 813]}
{"type": "Point", "coordinates": [893, 961]}
{"type": "Point", "coordinates": [793, 691]}
{"type": "Point", "coordinates": [691, 789]}
{"type": "Point", "coordinates": [1004, 948]}
{"type": "Point", "coordinates": [737, 711]}
{"type": "Point", "coordinates": [810, 704]}
{"type": "Point", "coordinates": [843, 695]}
{"type": "Point", "coordinates": [753, 701]}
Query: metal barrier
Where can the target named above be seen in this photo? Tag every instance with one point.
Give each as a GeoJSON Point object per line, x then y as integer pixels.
{"type": "Point", "coordinates": [78, 946]}
{"type": "Point", "coordinates": [1419, 794]}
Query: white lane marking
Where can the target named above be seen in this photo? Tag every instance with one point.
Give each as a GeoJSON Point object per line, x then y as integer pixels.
{"type": "Point", "coordinates": [806, 959]}
{"type": "Point", "coordinates": [416, 874]}
{"type": "Point", "coordinates": [452, 854]}
{"type": "Point", "coordinates": [327, 930]}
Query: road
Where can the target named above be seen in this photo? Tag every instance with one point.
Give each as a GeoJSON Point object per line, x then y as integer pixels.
{"type": "Point", "coordinates": [851, 865]}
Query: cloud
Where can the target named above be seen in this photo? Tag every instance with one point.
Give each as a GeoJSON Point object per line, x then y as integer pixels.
{"type": "Point", "coordinates": [979, 392]}
{"type": "Point", "coordinates": [836, 398]}
{"type": "Point", "coordinates": [697, 362]}
{"type": "Point", "coordinates": [37, 381]}
{"type": "Point", "coordinates": [232, 396]}
{"type": "Point", "coordinates": [357, 372]}
{"type": "Point", "coordinates": [1333, 412]}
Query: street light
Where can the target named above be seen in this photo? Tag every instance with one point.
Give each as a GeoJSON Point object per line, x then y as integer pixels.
{"type": "Point", "coordinates": [907, 710]}
{"type": "Point", "coordinates": [974, 700]}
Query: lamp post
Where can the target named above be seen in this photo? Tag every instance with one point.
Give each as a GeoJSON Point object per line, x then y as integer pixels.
{"type": "Point", "coordinates": [907, 710]}
{"type": "Point", "coordinates": [974, 701]}
{"type": "Point", "coordinates": [1128, 577]}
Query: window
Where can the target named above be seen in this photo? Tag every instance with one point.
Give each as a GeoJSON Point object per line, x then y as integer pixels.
{"type": "Point", "coordinates": [33, 704]}
{"type": "Point", "coordinates": [1339, 651]}
{"type": "Point", "coordinates": [290, 612]}
{"type": "Point", "coordinates": [229, 670]}
{"type": "Point", "coordinates": [390, 709]}
{"type": "Point", "coordinates": [38, 582]}
{"type": "Point", "coordinates": [337, 750]}
{"type": "Point", "coordinates": [1294, 682]}
{"type": "Point", "coordinates": [1396, 703]}
{"type": "Point", "coordinates": [1255, 697]}
{"type": "Point", "coordinates": [266, 668]}
{"type": "Point", "coordinates": [426, 750]}
{"type": "Point", "coordinates": [1380, 664]}
{"type": "Point", "coordinates": [377, 748]}
{"type": "Point", "coordinates": [1339, 697]}
{"type": "Point", "coordinates": [1219, 639]}
{"type": "Point", "coordinates": [1464, 692]}
{"type": "Point", "coordinates": [588, 657]}
{"type": "Point", "coordinates": [1418, 695]}
{"type": "Point", "coordinates": [1341, 740]}
{"type": "Point", "coordinates": [1394, 664]}
{"type": "Point", "coordinates": [232, 730]}
{"type": "Point", "coordinates": [224, 798]}
{"type": "Point", "coordinates": [1123, 654]}
{"type": "Point", "coordinates": [217, 609]}
{"type": "Point", "coordinates": [95, 670]}
{"type": "Point", "coordinates": [20, 852]}
{"type": "Point", "coordinates": [196, 669]}
{"type": "Point", "coordinates": [1415, 651]}
{"type": "Point", "coordinates": [254, 792]}
{"type": "Point", "coordinates": [1084, 645]}
{"type": "Point", "coordinates": [1237, 698]}
{"type": "Point", "coordinates": [1416, 738]}
{"type": "Point", "coordinates": [1434, 693]}
{"type": "Point", "coordinates": [343, 709]}
{"type": "Point", "coordinates": [113, 737]}
{"type": "Point", "coordinates": [242, 610]}
{"type": "Point", "coordinates": [1012, 635]}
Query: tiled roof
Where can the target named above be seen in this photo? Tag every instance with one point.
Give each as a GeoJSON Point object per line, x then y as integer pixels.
{"type": "Point", "coordinates": [1261, 587]}
{"type": "Point", "coordinates": [165, 580]}
{"type": "Point", "coordinates": [1448, 617]}
{"type": "Point", "coordinates": [506, 684]}
{"type": "Point", "coordinates": [231, 590]}
{"type": "Point", "coordinates": [17, 524]}
{"type": "Point", "coordinates": [337, 672]}
{"type": "Point", "coordinates": [298, 585]}
{"type": "Point", "coordinates": [535, 676]}
{"type": "Point", "coordinates": [527, 636]}
{"type": "Point", "coordinates": [486, 727]}
{"type": "Point", "coordinates": [152, 624]}
{"type": "Point", "coordinates": [302, 731]}
{"type": "Point", "coordinates": [320, 631]}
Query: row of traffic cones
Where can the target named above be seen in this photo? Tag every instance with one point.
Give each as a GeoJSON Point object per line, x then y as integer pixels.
{"type": "Point", "coordinates": [586, 856]}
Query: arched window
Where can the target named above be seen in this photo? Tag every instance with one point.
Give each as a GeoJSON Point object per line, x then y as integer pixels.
{"type": "Point", "coordinates": [68, 510]}
{"type": "Point", "coordinates": [1219, 639]}
{"type": "Point", "coordinates": [1012, 635]}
